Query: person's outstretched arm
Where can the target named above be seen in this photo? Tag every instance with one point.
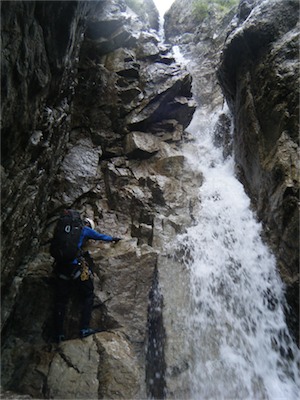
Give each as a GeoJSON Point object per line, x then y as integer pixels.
{"type": "Point", "coordinates": [92, 234]}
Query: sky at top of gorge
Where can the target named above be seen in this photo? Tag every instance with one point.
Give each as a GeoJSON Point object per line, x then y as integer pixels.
{"type": "Point", "coordinates": [163, 5]}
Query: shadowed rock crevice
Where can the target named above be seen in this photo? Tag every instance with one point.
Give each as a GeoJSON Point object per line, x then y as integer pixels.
{"type": "Point", "coordinates": [155, 358]}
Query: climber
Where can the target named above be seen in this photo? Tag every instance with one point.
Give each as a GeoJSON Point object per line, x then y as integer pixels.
{"type": "Point", "coordinates": [76, 272]}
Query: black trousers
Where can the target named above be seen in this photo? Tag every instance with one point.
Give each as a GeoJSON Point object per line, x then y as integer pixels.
{"type": "Point", "coordinates": [85, 290]}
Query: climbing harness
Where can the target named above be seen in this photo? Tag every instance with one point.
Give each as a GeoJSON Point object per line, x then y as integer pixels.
{"type": "Point", "coordinates": [85, 272]}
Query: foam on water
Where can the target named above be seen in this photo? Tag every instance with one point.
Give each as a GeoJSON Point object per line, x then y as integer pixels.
{"type": "Point", "coordinates": [237, 331]}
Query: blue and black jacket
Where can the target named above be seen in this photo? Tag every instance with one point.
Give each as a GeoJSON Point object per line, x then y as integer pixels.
{"type": "Point", "coordinates": [89, 233]}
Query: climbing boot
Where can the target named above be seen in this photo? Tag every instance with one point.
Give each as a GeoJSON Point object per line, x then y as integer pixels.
{"type": "Point", "coordinates": [88, 331]}
{"type": "Point", "coordinates": [60, 338]}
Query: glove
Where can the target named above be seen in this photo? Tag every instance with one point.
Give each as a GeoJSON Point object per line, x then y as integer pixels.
{"type": "Point", "coordinates": [116, 239]}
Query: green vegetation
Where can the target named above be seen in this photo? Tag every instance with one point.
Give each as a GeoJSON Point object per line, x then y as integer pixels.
{"type": "Point", "coordinates": [203, 8]}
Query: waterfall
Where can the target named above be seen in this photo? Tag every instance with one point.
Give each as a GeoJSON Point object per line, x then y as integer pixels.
{"type": "Point", "coordinates": [239, 341]}
{"type": "Point", "coordinates": [162, 7]}
{"type": "Point", "coordinates": [236, 332]}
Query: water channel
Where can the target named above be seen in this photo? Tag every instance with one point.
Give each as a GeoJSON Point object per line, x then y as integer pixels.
{"type": "Point", "coordinates": [237, 334]}
{"type": "Point", "coordinates": [236, 325]}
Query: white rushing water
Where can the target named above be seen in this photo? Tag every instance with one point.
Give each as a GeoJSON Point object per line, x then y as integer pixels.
{"type": "Point", "coordinates": [237, 331]}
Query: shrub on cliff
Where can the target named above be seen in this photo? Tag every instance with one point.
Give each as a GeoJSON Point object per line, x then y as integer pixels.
{"type": "Point", "coordinates": [203, 8]}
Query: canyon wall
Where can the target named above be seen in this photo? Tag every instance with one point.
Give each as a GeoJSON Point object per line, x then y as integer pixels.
{"type": "Point", "coordinates": [94, 112]}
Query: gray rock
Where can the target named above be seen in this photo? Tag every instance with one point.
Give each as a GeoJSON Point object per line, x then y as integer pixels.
{"type": "Point", "coordinates": [141, 145]}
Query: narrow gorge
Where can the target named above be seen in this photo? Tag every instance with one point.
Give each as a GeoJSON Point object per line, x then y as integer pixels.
{"type": "Point", "coordinates": [186, 146]}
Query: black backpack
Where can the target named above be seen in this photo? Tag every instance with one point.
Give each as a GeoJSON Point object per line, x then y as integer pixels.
{"type": "Point", "coordinates": [64, 245]}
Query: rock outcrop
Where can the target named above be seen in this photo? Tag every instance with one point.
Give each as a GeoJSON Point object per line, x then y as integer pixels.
{"type": "Point", "coordinates": [94, 114]}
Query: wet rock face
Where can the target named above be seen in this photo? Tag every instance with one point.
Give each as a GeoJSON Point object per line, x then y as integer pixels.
{"type": "Point", "coordinates": [201, 43]}
{"type": "Point", "coordinates": [259, 74]}
{"type": "Point", "coordinates": [94, 113]}
{"type": "Point", "coordinates": [179, 20]}
{"type": "Point", "coordinates": [38, 67]}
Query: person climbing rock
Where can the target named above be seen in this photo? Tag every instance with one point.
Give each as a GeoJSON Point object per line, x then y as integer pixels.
{"type": "Point", "coordinates": [74, 267]}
